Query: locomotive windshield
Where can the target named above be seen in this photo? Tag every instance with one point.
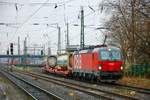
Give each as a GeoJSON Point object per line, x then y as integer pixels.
{"type": "Point", "coordinates": [110, 55]}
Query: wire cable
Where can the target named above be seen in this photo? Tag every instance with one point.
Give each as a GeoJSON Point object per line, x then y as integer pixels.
{"type": "Point", "coordinates": [29, 18]}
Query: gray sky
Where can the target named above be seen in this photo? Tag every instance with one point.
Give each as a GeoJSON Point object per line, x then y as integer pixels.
{"type": "Point", "coordinates": [34, 11]}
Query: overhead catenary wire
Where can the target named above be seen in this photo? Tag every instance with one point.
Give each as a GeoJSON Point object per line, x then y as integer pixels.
{"type": "Point", "coordinates": [34, 3]}
{"type": "Point", "coordinates": [33, 14]}
{"type": "Point", "coordinates": [26, 20]}
{"type": "Point", "coordinates": [42, 5]}
{"type": "Point", "coordinates": [64, 17]}
{"type": "Point", "coordinates": [84, 17]}
{"type": "Point", "coordinates": [72, 21]}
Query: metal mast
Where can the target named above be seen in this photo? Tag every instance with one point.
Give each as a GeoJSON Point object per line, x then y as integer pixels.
{"type": "Point", "coordinates": [25, 46]}
{"type": "Point", "coordinates": [67, 34]}
{"type": "Point", "coordinates": [82, 29]}
{"type": "Point", "coordinates": [18, 45]}
{"type": "Point", "coordinates": [49, 48]}
{"type": "Point", "coordinates": [59, 41]}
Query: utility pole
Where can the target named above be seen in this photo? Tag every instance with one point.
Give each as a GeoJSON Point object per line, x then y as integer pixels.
{"type": "Point", "coordinates": [18, 45]}
{"type": "Point", "coordinates": [44, 49]}
{"type": "Point", "coordinates": [67, 35]}
{"type": "Point", "coordinates": [34, 50]}
{"type": "Point", "coordinates": [25, 46]}
{"type": "Point", "coordinates": [82, 29]}
{"type": "Point", "coordinates": [49, 51]}
{"type": "Point", "coordinates": [59, 41]}
{"type": "Point", "coordinates": [49, 48]}
{"type": "Point", "coordinates": [25, 51]}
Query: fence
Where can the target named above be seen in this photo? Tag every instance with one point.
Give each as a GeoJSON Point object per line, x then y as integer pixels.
{"type": "Point", "coordinates": [139, 70]}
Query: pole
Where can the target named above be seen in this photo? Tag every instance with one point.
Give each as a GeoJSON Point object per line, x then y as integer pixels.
{"type": "Point", "coordinates": [49, 48]}
{"type": "Point", "coordinates": [44, 49]}
{"type": "Point", "coordinates": [18, 45]}
{"type": "Point", "coordinates": [82, 29]}
{"type": "Point", "coordinates": [59, 41]}
{"type": "Point", "coordinates": [25, 46]}
{"type": "Point", "coordinates": [34, 50]}
{"type": "Point", "coordinates": [67, 34]}
{"type": "Point", "coordinates": [25, 50]}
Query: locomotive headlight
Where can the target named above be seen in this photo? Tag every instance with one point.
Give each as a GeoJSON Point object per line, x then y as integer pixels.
{"type": "Point", "coordinates": [100, 67]}
{"type": "Point", "coordinates": [121, 68]}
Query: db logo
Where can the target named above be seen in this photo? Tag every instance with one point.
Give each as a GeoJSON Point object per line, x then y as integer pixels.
{"type": "Point", "coordinates": [77, 61]}
{"type": "Point", "coordinates": [111, 64]}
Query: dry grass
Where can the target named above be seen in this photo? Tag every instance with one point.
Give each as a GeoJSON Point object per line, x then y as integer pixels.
{"type": "Point", "coordinates": [125, 92]}
{"type": "Point", "coordinates": [136, 81]}
{"type": "Point", "coordinates": [9, 91]}
{"type": "Point", "coordinates": [28, 69]}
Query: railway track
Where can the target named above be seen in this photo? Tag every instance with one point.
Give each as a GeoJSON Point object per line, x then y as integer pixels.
{"type": "Point", "coordinates": [118, 85]}
{"type": "Point", "coordinates": [137, 89]}
{"type": "Point", "coordinates": [86, 89]}
{"type": "Point", "coordinates": [123, 86]}
{"type": "Point", "coordinates": [35, 92]}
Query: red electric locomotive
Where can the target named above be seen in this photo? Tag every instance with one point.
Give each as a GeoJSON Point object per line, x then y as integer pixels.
{"type": "Point", "coordinates": [102, 63]}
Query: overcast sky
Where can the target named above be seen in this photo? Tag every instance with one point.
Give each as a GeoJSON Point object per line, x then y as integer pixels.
{"type": "Point", "coordinates": [22, 14]}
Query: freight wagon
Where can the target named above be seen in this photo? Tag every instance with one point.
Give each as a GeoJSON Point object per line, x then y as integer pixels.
{"type": "Point", "coordinates": [61, 64]}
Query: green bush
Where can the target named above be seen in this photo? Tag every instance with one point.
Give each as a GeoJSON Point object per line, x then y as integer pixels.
{"type": "Point", "coordinates": [138, 70]}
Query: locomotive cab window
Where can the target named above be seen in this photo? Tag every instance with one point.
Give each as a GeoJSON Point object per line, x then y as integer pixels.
{"type": "Point", "coordinates": [116, 55]}
{"type": "Point", "coordinates": [110, 55]}
{"type": "Point", "coordinates": [104, 55]}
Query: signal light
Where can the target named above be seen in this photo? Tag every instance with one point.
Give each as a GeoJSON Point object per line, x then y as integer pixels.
{"type": "Point", "coordinates": [11, 49]}
{"type": "Point", "coordinates": [7, 52]}
{"type": "Point", "coordinates": [42, 52]}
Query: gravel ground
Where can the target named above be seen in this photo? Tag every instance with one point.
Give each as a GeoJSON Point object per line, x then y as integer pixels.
{"type": "Point", "coordinates": [8, 91]}
{"type": "Point", "coordinates": [107, 88]}
{"type": "Point", "coordinates": [36, 69]}
{"type": "Point", "coordinates": [64, 92]}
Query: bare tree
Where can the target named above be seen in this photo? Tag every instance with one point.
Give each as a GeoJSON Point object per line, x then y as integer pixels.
{"type": "Point", "coordinates": [130, 27]}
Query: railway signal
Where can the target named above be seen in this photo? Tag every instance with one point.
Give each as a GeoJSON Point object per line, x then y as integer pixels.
{"type": "Point", "coordinates": [42, 52]}
{"type": "Point", "coordinates": [7, 52]}
{"type": "Point", "coordinates": [11, 49]}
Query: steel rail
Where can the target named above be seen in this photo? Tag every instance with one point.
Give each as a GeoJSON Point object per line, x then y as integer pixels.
{"type": "Point", "coordinates": [138, 89]}
{"type": "Point", "coordinates": [28, 93]}
{"type": "Point", "coordinates": [43, 93]}
{"type": "Point", "coordinates": [90, 90]}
